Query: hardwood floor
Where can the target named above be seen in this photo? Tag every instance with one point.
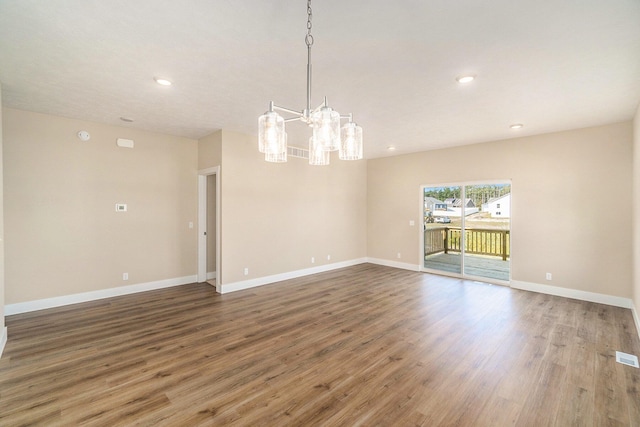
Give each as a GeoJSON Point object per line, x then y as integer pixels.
{"type": "Point", "coordinates": [365, 345]}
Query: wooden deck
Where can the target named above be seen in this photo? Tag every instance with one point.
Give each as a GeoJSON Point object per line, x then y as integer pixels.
{"type": "Point", "coordinates": [475, 265]}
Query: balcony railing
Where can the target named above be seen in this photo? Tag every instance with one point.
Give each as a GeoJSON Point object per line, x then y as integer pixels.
{"type": "Point", "coordinates": [478, 241]}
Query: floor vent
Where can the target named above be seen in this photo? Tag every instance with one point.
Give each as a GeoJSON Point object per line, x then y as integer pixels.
{"type": "Point", "coordinates": [627, 359]}
{"type": "Point", "coordinates": [302, 153]}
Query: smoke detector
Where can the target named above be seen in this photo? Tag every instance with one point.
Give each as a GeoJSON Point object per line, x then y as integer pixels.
{"type": "Point", "coordinates": [83, 135]}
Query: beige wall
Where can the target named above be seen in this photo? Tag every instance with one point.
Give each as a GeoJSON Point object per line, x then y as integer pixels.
{"type": "Point", "coordinates": [636, 211]}
{"type": "Point", "coordinates": [210, 151]}
{"type": "Point", "coordinates": [63, 235]}
{"type": "Point", "coordinates": [2, 291]}
{"type": "Point", "coordinates": [571, 203]}
{"type": "Point", "coordinates": [277, 216]}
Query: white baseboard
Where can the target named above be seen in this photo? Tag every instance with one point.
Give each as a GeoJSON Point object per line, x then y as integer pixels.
{"type": "Point", "coordinates": [636, 319]}
{"type": "Point", "coordinates": [396, 264]}
{"type": "Point", "coordinates": [24, 307]}
{"type": "Point", "coordinates": [259, 281]}
{"type": "Point", "coordinates": [3, 340]}
{"type": "Point", "coordinates": [573, 293]}
{"type": "Point", "coordinates": [211, 275]}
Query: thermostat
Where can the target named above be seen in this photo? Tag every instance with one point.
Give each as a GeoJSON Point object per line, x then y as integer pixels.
{"type": "Point", "coordinates": [121, 207]}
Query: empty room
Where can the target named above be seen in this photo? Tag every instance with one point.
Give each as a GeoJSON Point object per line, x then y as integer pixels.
{"type": "Point", "coordinates": [337, 213]}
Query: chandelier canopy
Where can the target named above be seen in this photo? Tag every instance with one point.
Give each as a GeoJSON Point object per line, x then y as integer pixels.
{"type": "Point", "coordinates": [327, 134]}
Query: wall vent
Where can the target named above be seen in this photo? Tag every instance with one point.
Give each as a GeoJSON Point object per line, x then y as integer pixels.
{"type": "Point", "coordinates": [627, 359]}
{"type": "Point", "coordinates": [301, 153]}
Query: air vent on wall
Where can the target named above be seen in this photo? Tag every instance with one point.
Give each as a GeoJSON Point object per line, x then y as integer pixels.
{"type": "Point", "coordinates": [627, 359]}
{"type": "Point", "coordinates": [301, 153]}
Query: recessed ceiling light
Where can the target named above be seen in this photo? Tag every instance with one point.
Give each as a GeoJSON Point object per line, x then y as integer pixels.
{"type": "Point", "coordinates": [391, 148]}
{"type": "Point", "coordinates": [465, 79]}
{"type": "Point", "coordinates": [161, 81]}
{"type": "Point", "coordinates": [516, 126]}
{"type": "Point", "coordinates": [126, 119]}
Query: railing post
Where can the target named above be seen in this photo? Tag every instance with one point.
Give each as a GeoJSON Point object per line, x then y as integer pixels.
{"type": "Point", "coordinates": [504, 245]}
{"type": "Point", "coordinates": [446, 240]}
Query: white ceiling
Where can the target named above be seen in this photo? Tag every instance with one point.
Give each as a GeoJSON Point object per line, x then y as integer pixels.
{"type": "Point", "coordinates": [552, 65]}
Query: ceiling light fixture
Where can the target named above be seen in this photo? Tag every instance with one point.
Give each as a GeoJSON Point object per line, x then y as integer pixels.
{"type": "Point", "coordinates": [161, 81]}
{"type": "Point", "coordinates": [465, 79]}
{"type": "Point", "coordinates": [325, 122]}
{"type": "Point", "coordinates": [516, 126]}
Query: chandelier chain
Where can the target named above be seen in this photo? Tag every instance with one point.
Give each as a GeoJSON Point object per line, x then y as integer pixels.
{"type": "Point", "coordinates": [309, 38]}
{"type": "Point", "coordinates": [327, 134]}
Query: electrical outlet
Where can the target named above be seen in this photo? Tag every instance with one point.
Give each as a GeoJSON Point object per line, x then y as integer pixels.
{"type": "Point", "coordinates": [399, 255]}
{"type": "Point", "coordinates": [125, 276]}
{"type": "Point", "coordinates": [548, 276]}
{"type": "Point", "coordinates": [313, 260]}
{"type": "Point", "coordinates": [246, 271]}
{"type": "Point", "coordinates": [328, 257]}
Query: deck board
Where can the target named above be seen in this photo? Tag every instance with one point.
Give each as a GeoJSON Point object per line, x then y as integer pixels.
{"type": "Point", "coordinates": [475, 265]}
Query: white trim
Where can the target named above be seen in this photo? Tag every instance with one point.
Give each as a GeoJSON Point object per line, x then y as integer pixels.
{"type": "Point", "coordinates": [421, 229]}
{"type": "Point", "coordinates": [209, 171]}
{"type": "Point", "coordinates": [573, 293]}
{"type": "Point", "coordinates": [25, 307]}
{"type": "Point", "coordinates": [202, 221]}
{"type": "Point", "coordinates": [211, 275]}
{"type": "Point", "coordinates": [3, 340]}
{"type": "Point", "coordinates": [202, 228]}
{"type": "Point", "coordinates": [636, 319]}
{"type": "Point", "coordinates": [395, 264]}
{"type": "Point", "coordinates": [218, 223]}
{"type": "Point", "coordinates": [259, 281]}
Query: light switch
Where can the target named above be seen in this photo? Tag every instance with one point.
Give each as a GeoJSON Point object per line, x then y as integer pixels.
{"type": "Point", "coordinates": [412, 223]}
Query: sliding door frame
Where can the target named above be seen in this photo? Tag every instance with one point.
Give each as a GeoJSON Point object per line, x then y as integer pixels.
{"type": "Point", "coordinates": [462, 275]}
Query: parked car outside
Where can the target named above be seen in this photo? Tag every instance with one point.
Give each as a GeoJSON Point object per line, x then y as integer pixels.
{"type": "Point", "coordinates": [443, 219]}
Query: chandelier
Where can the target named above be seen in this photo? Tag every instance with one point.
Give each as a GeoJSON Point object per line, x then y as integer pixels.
{"type": "Point", "coordinates": [327, 134]}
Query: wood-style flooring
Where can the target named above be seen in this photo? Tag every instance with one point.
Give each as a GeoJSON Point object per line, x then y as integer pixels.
{"type": "Point", "coordinates": [366, 345]}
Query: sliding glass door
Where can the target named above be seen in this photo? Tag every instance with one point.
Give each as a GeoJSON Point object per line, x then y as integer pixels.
{"type": "Point", "coordinates": [442, 229]}
{"type": "Point", "coordinates": [467, 230]}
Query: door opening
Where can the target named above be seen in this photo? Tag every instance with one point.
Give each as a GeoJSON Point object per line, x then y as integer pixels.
{"type": "Point", "coordinates": [467, 230]}
{"type": "Point", "coordinates": [209, 227]}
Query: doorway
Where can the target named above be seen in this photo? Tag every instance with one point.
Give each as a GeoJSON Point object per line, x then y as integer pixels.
{"type": "Point", "coordinates": [467, 230]}
{"type": "Point", "coordinates": [209, 226]}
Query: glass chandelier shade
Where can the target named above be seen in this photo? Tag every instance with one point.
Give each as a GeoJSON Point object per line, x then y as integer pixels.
{"type": "Point", "coordinates": [324, 121]}
{"type": "Point", "coordinates": [277, 153]}
{"type": "Point", "coordinates": [350, 142]}
{"type": "Point", "coordinates": [326, 128]}
{"type": "Point", "coordinates": [271, 134]}
{"type": "Point", "coordinates": [318, 156]}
